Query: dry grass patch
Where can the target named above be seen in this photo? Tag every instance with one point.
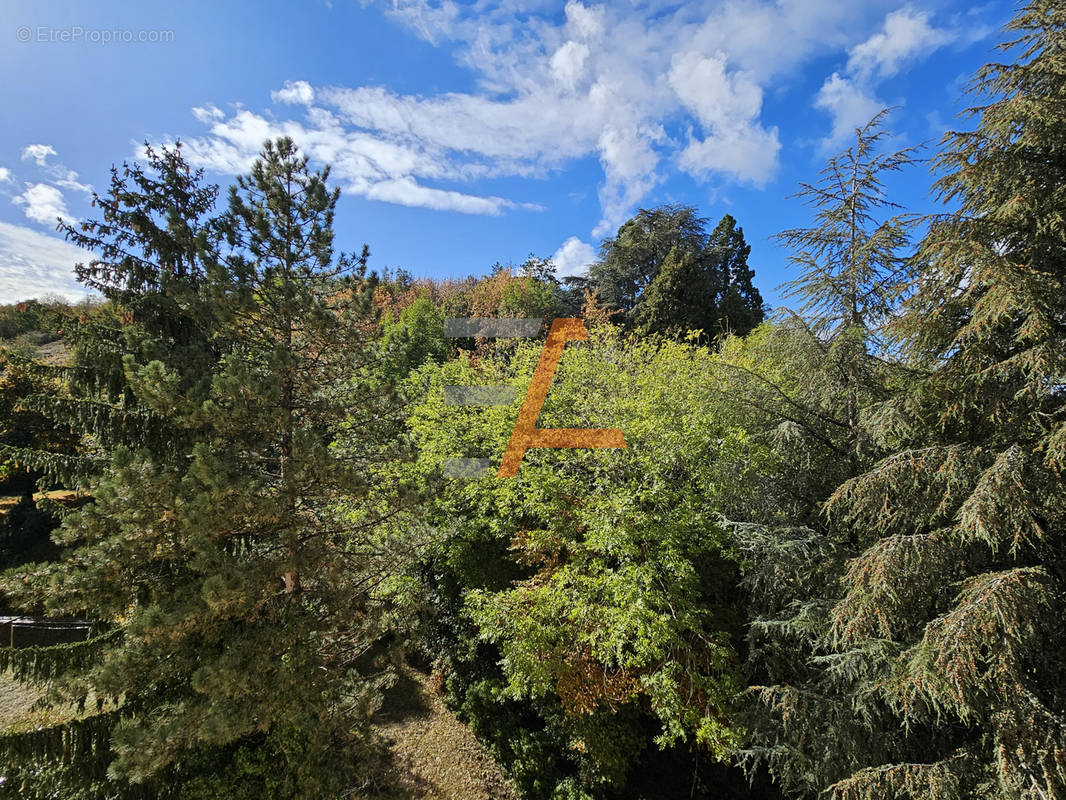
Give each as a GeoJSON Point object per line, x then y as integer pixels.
{"type": "Point", "coordinates": [435, 755]}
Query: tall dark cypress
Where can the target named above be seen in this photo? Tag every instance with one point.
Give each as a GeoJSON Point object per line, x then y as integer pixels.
{"type": "Point", "coordinates": [739, 305]}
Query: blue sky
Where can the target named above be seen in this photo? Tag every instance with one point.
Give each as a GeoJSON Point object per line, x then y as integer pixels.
{"type": "Point", "coordinates": [462, 134]}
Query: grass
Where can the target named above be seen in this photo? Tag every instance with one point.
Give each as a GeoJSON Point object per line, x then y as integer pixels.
{"type": "Point", "coordinates": [17, 712]}
{"type": "Point", "coordinates": [16, 702]}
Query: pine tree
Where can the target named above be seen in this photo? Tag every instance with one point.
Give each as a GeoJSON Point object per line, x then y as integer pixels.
{"type": "Point", "coordinates": [233, 571]}
{"type": "Point", "coordinates": [961, 582]}
{"type": "Point", "coordinates": [148, 249]}
{"type": "Point", "coordinates": [935, 653]}
{"type": "Point", "coordinates": [148, 259]}
{"type": "Point", "coordinates": [813, 384]}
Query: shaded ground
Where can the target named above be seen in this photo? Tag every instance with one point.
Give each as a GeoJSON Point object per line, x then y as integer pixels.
{"type": "Point", "coordinates": [64, 496]}
{"type": "Point", "coordinates": [436, 756]}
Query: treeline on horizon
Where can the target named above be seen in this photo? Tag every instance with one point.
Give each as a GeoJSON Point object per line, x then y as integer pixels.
{"type": "Point", "coordinates": [830, 562]}
{"type": "Point", "coordinates": [662, 273]}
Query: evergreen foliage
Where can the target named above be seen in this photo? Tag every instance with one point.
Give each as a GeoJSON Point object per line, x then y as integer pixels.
{"type": "Point", "coordinates": [831, 554]}
{"type": "Point", "coordinates": [934, 658]}
{"type": "Point", "coordinates": [964, 522]}
{"type": "Point", "coordinates": [812, 390]}
{"type": "Point", "coordinates": [668, 275]}
{"type": "Point", "coordinates": [235, 558]}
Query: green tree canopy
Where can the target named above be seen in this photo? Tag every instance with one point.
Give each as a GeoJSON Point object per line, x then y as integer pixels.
{"type": "Point", "coordinates": [932, 658]}
{"type": "Point", "coordinates": [668, 275]}
{"type": "Point", "coordinates": [962, 579]}
{"type": "Point", "coordinates": [598, 580]}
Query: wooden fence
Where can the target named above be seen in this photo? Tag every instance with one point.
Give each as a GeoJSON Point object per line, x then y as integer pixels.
{"type": "Point", "coordinates": [29, 631]}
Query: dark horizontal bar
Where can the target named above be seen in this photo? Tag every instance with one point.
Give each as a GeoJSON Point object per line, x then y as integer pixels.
{"type": "Point", "coordinates": [487, 327]}
{"type": "Point", "coordinates": [467, 467]}
{"type": "Point", "coordinates": [45, 621]}
{"type": "Point", "coordinates": [478, 395]}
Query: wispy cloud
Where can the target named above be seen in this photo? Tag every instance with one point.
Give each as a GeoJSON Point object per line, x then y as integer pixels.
{"type": "Point", "coordinates": [906, 37]}
{"type": "Point", "coordinates": [38, 153]}
{"type": "Point", "coordinates": [33, 264]}
{"type": "Point", "coordinates": [58, 174]}
{"type": "Point", "coordinates": [42, 203]}
{"type": "Point", "coordinates": [208, 114]}
{"type": "Point", "coordinates": [644, 90]}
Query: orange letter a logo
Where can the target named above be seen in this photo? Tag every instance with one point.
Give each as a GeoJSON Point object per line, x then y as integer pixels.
{"type": "Point", "coordinates": [525, 434]}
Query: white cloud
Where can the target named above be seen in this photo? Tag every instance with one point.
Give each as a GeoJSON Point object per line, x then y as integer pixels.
{"type": "Point", "coordinates": [406, 191]}
{"type": "Point", "coordinates": [603, 81]}
{"type": "Point", "coordinates": [58, 173]}
{"type": "Point", "coordinates": [727, 106]}
{"type": "Point", "coordinates": [5, 175]}
{"type": "Point", "coordinates": [905, 37]}
{"type": "Point", "coordinates": [573, 257]}
{"type": "Point", "coordinates": [208, 113]}
{"type": "Point", "coordinates": [747, 155]}
{"type": "Point", "coordinates": [294, 92]}
{"type": "Point", "coordinates": [368, 166]}
{"type": "Point", "coordinates": [568, 63]}
{"type": "Point", "coordinates": [630, 167]}
{"type": "Point", "coordinates": [850, 106]}
{"type": "Point", "coordinates": [33, 264]}
{"type": "Point", "coordinates": [42, 203]}
{"type": "Point", "coordinates": [715, 96]}
{"type": "Point", "coordinates": [38, 153]}
{"type": "Point", "coordinates": [431, 23]}
{"type": "Point", "coordinates": [588, 23]}
{"type": "Point", "coordinates": [68, 179]}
